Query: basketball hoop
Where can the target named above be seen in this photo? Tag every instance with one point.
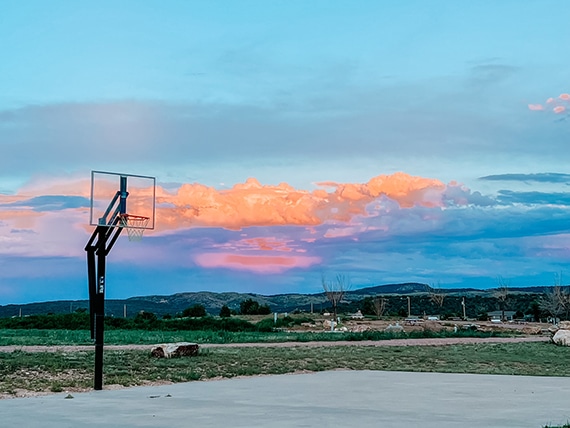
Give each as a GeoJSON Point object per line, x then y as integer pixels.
{"type": "Point", "coordinates": [135, 225]}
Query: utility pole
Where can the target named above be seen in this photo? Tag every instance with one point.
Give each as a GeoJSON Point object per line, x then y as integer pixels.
{"type": "Point", "coordinates": [409, 307]}
{"type": "Point", "coordinates": [463, 304]}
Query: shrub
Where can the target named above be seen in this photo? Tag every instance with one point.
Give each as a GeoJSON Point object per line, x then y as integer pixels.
{"type": "Point", "coordinates": [265, 326]}
{"type": "Point", "coordinates": [195, 311]}
{"type": "Point", "coordinates": [251, 307]}
{"type": "Point", "coordinates": [483, 316]}
{"type": "Point", "coordinates": [145, 320]}
{"type": "Point", "coordinates": [225, 312]}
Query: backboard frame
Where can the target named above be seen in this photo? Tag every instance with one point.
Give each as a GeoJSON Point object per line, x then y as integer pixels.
{"type": "Point", "coordinates": [114, 193]}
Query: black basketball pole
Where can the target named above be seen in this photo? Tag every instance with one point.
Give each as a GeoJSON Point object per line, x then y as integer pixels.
{"type": "Point", "coordinates": [100, 243]}
{"type": "Point", "coordinates": [100, 309]}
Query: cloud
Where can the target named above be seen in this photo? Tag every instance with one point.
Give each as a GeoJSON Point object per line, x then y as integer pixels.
{"type": "Point", "coordinates": [542, 198]}
{"type": "Point", "coordinates": [253, 263]}
{"type": "Point", "coordinates": [344, 126]}
{"type": "Point", "coordinates": [543, 177]}
{"type": "Point", "coordinates": [51, 203]}
{"type": "Point", "coordinates": [536, 107]}
{"type": "Point", "coordinates": [557, 105]}
{"type": "Point", "coordinates": [258, 243]}
{"type": "Point", "coordinates": [252, 204]}
{"type": "Point", "coordinates": [256, 229]}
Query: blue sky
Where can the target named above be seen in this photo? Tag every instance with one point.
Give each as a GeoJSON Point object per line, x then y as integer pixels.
{"type": "Point", "coordinates": [311, 101]}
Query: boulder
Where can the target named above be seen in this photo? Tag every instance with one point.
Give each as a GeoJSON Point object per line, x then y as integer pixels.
{"type": "Point", "coordinates": [394, 328]}
{"type": "Point", "coordinates": [564, 325]}
{"type": "Point", "coordinates": [432, 326]}
{"type": "Point", "coordinates": [180, 349]}
{"type": "Point", "coordinates": [562, 337]}
{"type": "Point", "coordinates": [359, 328]}
{"type": "Point", "coordinates": [329, 323]}
{"type": "Point", "coordinates": [308, 324]}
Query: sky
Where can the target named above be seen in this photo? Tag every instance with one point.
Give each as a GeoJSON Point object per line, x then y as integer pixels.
{"type": "Point", "coordinates": [387, 141]}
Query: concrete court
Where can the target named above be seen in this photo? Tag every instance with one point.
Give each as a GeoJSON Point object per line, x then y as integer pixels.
{"type": "Point", "coordinates": [326, 399]}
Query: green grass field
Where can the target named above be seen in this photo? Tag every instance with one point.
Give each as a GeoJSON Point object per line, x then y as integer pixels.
{"type": "Point", "coordinates": [60, 371]}
{"type": "Point", "coordinates": [21, 337]}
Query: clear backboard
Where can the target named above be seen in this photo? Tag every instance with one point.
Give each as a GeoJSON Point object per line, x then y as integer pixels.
{"type": "Point", "coordinates": [115, 194]}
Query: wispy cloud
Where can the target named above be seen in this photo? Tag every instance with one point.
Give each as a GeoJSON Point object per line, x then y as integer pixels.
{"type": "Point", "coordinates": [543, 177]}
{"type": "Point", "coordinates": [555, 198]}
{"type": "Point", "coordinates": [51, 203]}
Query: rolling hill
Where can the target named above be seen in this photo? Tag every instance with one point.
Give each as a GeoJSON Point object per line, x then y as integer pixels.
{"type": "Point", "coordinates": [176, 303]}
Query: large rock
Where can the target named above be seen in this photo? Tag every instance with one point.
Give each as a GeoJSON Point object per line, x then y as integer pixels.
{"type": "Point", "coordinates": [329, 324]}
{"type": "Point", "coordinates": [180, 349]}
{"type": "Point", "coordinates": [394, 328]}
{"type": "Point", "coordinates": [562, 337]}
{"type": "Point", "coordinates": [359, 328]}
{"type": "Point", "coordinates": [564, 325]}
{"type": "Point", "coordinates": [432, 326]}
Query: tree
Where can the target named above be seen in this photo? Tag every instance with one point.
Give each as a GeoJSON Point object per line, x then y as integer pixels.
{"type": "Point", "coordinates": [556, 301]}
{"type": "Point", "coordinates": [378, 306]}
{"type": "Point", "coordinates": [195, 311]}
{"type": "Point", "coordinates": [145, 320]}
{"type": "Point", "coordinates": [534, 310]}
{"type": "Point", "coordinates": [225, 312]}
{"type": "Point", "coordinates": [335, 290]}
{"type": "Point", "coordinates": [251, 307]}
{"type": "Point", "coordinates": [436, 295]}
{"type": "Point", "coordinates": [502, 295]}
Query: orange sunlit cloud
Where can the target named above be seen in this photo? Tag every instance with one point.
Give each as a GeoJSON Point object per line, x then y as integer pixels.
{"type": "Point", "coordinates": [252, 204]}
{"type": "Point", "coordinates": [258, 264]}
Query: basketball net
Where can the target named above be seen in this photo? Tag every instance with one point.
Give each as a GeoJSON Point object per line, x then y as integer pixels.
{"type": "Point", "coordinates": [135, 225]}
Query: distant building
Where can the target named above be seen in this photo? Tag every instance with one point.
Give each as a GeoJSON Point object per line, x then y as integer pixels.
{"type": "Point", "coordinates": [357, 315]}
{"type": "Point", "coordinates": [498, 315]}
